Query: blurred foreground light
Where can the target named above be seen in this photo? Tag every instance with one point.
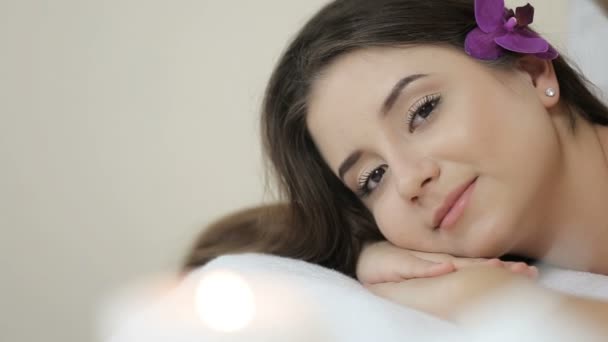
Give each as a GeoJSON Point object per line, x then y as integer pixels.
{"type": "Point", "coordinates": [224, 301]}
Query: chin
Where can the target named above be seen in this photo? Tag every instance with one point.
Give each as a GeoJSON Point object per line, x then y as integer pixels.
{"type": "Point", "coordinates": [491, 242]}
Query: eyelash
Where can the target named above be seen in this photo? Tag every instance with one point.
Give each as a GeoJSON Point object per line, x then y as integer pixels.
{"type": "Point", "coordinates": [362, 190]}
{"type": "Point", "coordinates": [429, 100]}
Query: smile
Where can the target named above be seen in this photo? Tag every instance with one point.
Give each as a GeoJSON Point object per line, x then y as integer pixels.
{"type": "Point", "coordinates": [454, 206]}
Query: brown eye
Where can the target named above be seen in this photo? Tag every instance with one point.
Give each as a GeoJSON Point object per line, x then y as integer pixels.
{"type": "Point", "coordinates": [376, 176]}
{"type": "Point", "coordinates": [371, 180]}
{"type": "Point", "coordinates": [426, 110]}
{"type": "Point", "coordinates": [422, 110]}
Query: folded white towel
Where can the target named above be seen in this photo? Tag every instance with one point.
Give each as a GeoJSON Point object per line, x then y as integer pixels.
{"type": "Point", "coordinates": [298, 301]}
{"type": "Point", "coordinates": [294, 301]}
{"type": "Point", "coordinates": [574, 282]}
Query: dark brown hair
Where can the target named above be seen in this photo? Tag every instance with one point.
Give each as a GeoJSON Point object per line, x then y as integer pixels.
{"type": "Point", "coordinates": [327, 222]}
{"type": "Point", "coordinates": [257, 229]}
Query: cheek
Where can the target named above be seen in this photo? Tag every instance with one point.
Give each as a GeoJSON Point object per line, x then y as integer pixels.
{"type": "Point", "coordinates": [502, 133]}
{"type": "Point", "coordinates": [518, 142]}
{"type": "Point", "coordinates": [397, 222]}
{"type": "Point", "coordinates": [518, 152]}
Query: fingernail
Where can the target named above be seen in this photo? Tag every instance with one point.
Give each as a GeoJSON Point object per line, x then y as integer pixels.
{"type": "Point", "coordinates": [534, 271]}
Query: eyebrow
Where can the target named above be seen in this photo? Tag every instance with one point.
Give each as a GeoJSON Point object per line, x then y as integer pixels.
{"type": "Point", "coordinates": [348, 163]}
{"type": "Point", "coordinates": [397, 89]}
{"type": "Point", "coordinates": [353, 158]}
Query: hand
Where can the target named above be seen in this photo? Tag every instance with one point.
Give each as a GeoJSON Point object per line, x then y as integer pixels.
{"type": "Point", "coordinates": [382, 262]}
{"type": "Point", "coordinates": [448, 296]}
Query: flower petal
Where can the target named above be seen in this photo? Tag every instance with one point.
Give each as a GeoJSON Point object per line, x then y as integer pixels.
{"type": "Point", "coordinates": [550, 54]}
{"type": "Point", "coordinates": [481, 45]}
{"type": "Point", "coordinates": [524, 15]}
{"type": "Point", "coordinates": [516, 42]}
{"type": "Point", "coordinates": [489, 14]}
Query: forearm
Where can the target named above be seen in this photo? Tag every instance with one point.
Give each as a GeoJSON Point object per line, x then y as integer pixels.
{"type": "Point", "coordinates": [468, 296]}
{"type": "Point", "coordinates": [482, 284]}
{"type": "Point", "coordinates": [523, 310]}
{"type": "Point", "coordinates": [593, 311]}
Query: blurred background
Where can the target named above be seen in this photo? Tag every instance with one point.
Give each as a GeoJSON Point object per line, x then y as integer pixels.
{"type": "Point", "coordinates": [125, 127]}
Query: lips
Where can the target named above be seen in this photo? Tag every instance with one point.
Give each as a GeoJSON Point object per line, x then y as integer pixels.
{"type": "Point", "coordinates": [456, 196]}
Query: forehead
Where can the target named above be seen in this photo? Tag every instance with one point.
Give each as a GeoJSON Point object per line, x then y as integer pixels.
{"type": "Point", "coordinates": [347, 97]}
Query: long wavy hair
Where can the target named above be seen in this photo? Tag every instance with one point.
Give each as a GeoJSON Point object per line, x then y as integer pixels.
{"type": "Point", "coordinates": [322, 221]}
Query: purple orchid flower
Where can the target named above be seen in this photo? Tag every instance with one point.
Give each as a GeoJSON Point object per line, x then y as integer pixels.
{"type": "Point", "coordinates": [500, 29]}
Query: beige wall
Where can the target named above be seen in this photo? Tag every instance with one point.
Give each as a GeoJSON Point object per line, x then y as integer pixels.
{"type": "Point", "coordinates": [125, 125]}
{"type": "Point", "coordinates": [549, 18]}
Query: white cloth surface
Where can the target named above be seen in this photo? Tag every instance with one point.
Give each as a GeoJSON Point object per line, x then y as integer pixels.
{"type": "Point", "coordinates": [298, 301]}
{"type": "Point", "coordinates": [574, 282]}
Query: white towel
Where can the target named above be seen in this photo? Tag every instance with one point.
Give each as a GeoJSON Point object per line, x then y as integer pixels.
{"type": "Point", "coordinates": [577, 283]}
{"type": "Point", "coordinates": [298, 301]}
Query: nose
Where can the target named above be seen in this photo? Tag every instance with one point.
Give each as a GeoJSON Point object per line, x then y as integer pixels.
{"type": "Point", "coordinates": [414, 178]}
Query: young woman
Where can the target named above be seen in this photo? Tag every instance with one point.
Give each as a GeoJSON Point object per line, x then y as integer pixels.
{"type": "Point", "coordinates": [447, 128]}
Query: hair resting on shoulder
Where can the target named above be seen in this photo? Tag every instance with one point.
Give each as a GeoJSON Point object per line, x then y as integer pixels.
{"type": "Point", "coordinates": [328, 224]}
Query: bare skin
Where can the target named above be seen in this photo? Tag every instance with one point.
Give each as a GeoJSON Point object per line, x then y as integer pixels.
{"type": "Point", "coordinates": [456, 293]}
{"type": "Point", "coordinates": [540, 188]}
{"type": "Point", "coordinates": [578, 236]}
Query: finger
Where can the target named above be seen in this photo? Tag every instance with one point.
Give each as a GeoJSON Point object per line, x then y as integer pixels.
{"type": "Point", "coordinates": [434, 257]}
{"type": "Point", "coordinates": [494, 262]}
{"type": "Point", "coordinates": [425, 269]}
{"type": "Point", "coordinates": [515, 267]}
{"type": "Point", "coordinates": [534, 271]}
{"type": "Point", "coordinates": [459, 262]}
{"type": "Point", "coordinates": [524, 269]}
{"type": "Point", "coordinates": [466, 262]}
{"type": "Point", "coordinates": [518, 267]}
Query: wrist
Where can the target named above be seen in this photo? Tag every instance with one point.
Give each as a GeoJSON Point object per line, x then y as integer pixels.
{"type": "Point", "coordinates": [483, 284]}
{"type": "Point", "coordinates": [524, 311]}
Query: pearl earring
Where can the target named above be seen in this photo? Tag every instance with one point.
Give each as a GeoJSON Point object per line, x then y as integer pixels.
{"type": "Point", "coordinates": [550, 92]}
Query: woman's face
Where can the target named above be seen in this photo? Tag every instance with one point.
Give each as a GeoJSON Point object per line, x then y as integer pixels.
{"type": "Point", "coordinates": [449, 155]}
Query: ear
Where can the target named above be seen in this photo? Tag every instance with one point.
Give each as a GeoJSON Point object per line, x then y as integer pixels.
{"type": "Point", "coordinates": [542, 75]}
